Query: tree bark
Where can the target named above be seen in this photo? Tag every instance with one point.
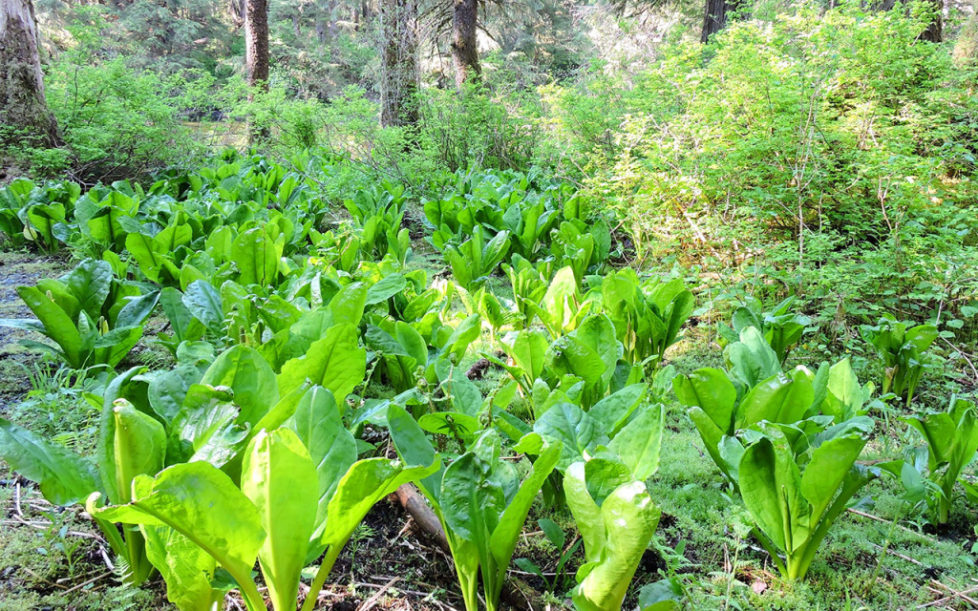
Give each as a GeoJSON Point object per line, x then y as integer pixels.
{"type": "Point", "coordinates": [935, 29]}
{"type": "Point", "coordinates": [326, 22]}
{"type": "Point", "coordinates": [22, 102]}
{"type": "Point", "coordinates": [399, 81]}
{"type": "Point", "coordinates": [716, 16]}
{"type": "Point", "coordinates": [256, 43]}
{"type": "Point", "coordinates": [465, 52]}
{"type": "Point", "coordinates": [256, 55]}
{"type": "Point", "coordinates": [236, 10]}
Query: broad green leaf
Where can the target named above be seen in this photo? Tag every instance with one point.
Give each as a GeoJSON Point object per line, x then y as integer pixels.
{"type": "Point", "coordinates": [559, 301]}
{"type": "Point", "coordinates": [90, 283]}
{"type": "Point", "coordinates": [770, 485]}
{"type": "Point", "coordinates": [113, 346]}
{"type": "Point", "coordinates": [451, 424]}
{"type": "Point", "coordinates": [845, 396]}
{"type": "Point", "coordinates": [939, 431]}
{"type": "Point", "coordinates": [603, 476]}
{"type": "Point", "coordinates": [204, 303]}
{"type": "Point", "coordinates": [825, 472]}
{"type": "Point", "coordinates": [257, 257]}
{"type": "Point", "coordinates": [63, 476]}
{"type": "Point", "coordinates": [347, 305]}
{"type": "Point", "coordinates": [251, 379]}
{"type": "Point", "coordinates": [590, 352]}
{"type": "Point", "coordinates": [186, 568]}
{"type": "Point", "coordinates": [638, 443]}
{"type": "Point", "coordinates": [386, 288]}
{"type": "Point", "coordinates": [464, 334]}
{"type": "Point", "coordinates": [336, 362]}
{"type": "Point", "coordinates": [613, 411]}
{"type": "Point", "coordinates": [185, 326]}
{"type": "Point", "coordinates": [137, 310]}
{"type": "Point", "coordinates": [366, 483]}
{"type": "Point", "coordinates": [168, 389]}
{"type": "Point", "coordinates": [412, 342]}
{"type": "Point", "coordinates": [922, 336]}
{"type": "Point", "coordinates": [777, 399]}
{"type": "Point", "coordinates": [144, 250]}
{"type": "Point", "coordinates": [528, 352]}
{"type": "Point", "coordinates": [751, 359]}
{"type": "Point", "coordinates": [511, 522]}
{"type": "Point", "coordinates": [57, 325]}
{"type": "Point", "coordinates": [205, 429]}
{"type": "Point", "coordinates": [414, 448]}
{"type": "Point", "coordinates": [131, 443]}
{"type": "Point", "coordinates": [576, 431]}
{"type": "Point", "coordinates": [710, 434]}
{"type": "Point", "coordinates": [203, 504]}
{"type": "Point", "coordinates": [331, 447]}
{"type": "Point", "coordinates": [173, 236]}
{"type": "Point", "coordinates": [505, 534]}
{"type": "Point", "coordinates": [279, 477]}
{"type": "Point", "coordinates": [711, 391]}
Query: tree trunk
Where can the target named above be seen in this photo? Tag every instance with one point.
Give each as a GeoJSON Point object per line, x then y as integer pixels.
{"type": "Point", "coordinates": [326, 22]}
{"type": "Point", "coordinates": [715, 18]}
{"type": "Point", "coordinates": [935, 29]}
{"type": "Point", "coordinates": [320, 30]}
{"type": "Point", "coordinates": [399, 81]}
{"type": "Point", "coordinates": [22, 103]}
{"type": "Point", "coordinates": [256, 55]}
{"type": "Point", "coordinates": [256, 43]}
{"type": "Point", "coordinates": [236, 10]}
{"type": "Point", "coordinates": [465, 53]}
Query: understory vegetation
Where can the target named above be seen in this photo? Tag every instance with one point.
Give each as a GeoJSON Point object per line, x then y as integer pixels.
{"type": "Point", "coordinates": [684, 326]}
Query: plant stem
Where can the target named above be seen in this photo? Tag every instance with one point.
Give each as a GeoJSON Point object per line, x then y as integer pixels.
{"type": "Point", "coordinates": [136, 552]}
{"type": "Point", "coordinates": [332, 553]}
{"type": "Point", "coordinates": [886, 547]}
{"type": "Point", "coordinates": [470, 593]}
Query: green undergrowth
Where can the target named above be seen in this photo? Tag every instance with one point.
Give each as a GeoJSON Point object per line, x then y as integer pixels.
{"type": "Point", "coordinates": [258, 276]}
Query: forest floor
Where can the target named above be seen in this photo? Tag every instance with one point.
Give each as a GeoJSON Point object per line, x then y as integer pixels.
{"type": "Point", "coordinates": [873, 558]}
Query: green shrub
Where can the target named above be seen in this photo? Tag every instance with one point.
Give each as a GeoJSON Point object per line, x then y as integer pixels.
{"type": "Point", "coordinates": [115, 122]}
{"type": "Point", "coordinates": [803, 123]}
{"type": "Point", "coordinates": [473, 129]}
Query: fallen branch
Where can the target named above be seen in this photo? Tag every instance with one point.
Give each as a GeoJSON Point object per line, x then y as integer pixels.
{"type": "Point", "coordinates": [411, 500]}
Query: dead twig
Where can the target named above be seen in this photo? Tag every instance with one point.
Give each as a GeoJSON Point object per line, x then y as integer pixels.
{"type": "Point", "coordinates": [44, 525]}
{"type": "Point", "coordinates": [885, 521]}
{"type": "Point", "coordinates": [88, 582]}
{"type": "Point", "coordinates": [371, 602]}
{"type": "Point", "coordinates": [963, 595]}
{"type": "Point", "coordinates": [971, 365]}
{"type": "Point", "coordinates": [899, 555]}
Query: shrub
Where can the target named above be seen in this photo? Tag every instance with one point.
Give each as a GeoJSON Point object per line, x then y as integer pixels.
{"type": "Point", "coordinates": [115, 122]}
{"type": "Point", "coordinates": [803, 123]}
